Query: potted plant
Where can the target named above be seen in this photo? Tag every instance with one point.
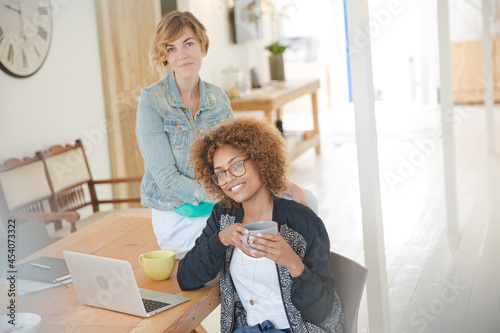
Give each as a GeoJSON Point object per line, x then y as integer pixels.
{"type": "Point", "coordinates": [276, 65]}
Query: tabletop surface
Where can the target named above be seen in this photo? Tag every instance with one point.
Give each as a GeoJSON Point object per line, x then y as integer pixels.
{"type": "Point", "coordinates": [119, 235]}
{"type": "Point", "coordinates": [280, 92]}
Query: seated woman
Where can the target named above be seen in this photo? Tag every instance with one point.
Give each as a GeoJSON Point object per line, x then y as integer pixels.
{"type": "Point", "coordinates": [284, 282]}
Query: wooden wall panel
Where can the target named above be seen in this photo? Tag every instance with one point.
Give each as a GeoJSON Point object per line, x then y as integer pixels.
{"type": "Point", "coordinates": [125, 28]}
{"type": "Point", "coordinates": [468, 76]}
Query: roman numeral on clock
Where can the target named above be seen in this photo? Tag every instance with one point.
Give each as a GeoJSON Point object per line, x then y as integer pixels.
{"type": "Point", "coordinates": [1, 35]}
{"type": "Point", "coordinates": [42, 33]}
{"type": "Point", "coordinates": [36, 51]}
{"type": "Point", "coordinates": [10, 54]}
{"type": "Point", "coordinates": [25, 61]}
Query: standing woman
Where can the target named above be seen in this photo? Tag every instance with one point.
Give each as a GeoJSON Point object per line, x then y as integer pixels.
{"type": "Point", "coordinates": [173, 113]}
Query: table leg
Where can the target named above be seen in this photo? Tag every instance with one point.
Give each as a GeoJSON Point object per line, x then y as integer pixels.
{"type": "Point", "coordinates": [268, 114]}
{"type": "Point", "coordinates": [315, 111]}
{"type": "Point", "coordinates": [279, 120]}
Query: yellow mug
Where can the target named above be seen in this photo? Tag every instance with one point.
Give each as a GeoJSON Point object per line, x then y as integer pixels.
{"type": "Point", "coordinates": [158, 265]}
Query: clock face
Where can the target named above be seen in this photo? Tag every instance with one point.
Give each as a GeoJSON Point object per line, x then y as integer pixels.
{"type": "Point", "coordinates": [25, 34]}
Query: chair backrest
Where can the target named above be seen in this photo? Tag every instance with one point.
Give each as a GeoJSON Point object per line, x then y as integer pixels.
{"type": "Point", "coordinates": [24, 187]}
{"type": "Point", "coordinates": [350, 279]}
{"type": "Point", "coordinates": [32, 236]}
{"type": "Point", "coordinates": [69, 174]}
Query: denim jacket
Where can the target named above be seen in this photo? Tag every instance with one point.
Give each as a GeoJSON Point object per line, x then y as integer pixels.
{"type": "Point", "coordinates": [165, 130]}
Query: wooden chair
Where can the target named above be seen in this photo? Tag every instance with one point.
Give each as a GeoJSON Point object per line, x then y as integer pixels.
{"type": "Point", "coordinates": [350, 279]}
{"type": "Point", "coordinates": [31, 237]}
{"type": "Point", "coordinates": [71, 180]}
{"type": "Point", "coordinates": [26, 195]}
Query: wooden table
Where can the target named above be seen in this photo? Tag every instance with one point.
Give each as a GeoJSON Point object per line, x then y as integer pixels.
{"type": "Point", "coordinates": [121, 236]}
{"type": "Point", "coordinates": [272, 98]}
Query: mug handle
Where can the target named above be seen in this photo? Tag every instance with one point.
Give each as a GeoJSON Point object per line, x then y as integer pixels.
{"type": "Point", "coordinates": [140, 259]}
{"type": "Point", "coordinates": [245, 241]}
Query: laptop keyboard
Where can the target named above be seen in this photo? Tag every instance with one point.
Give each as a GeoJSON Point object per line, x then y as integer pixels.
{"type": "Point", "coordinates": [151, 305]}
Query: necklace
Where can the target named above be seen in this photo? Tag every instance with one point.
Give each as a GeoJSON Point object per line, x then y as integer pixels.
{"type": "Point", "coordinates": [245, 275]}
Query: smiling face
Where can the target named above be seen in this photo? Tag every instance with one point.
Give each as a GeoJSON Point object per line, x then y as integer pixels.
{"type": "Point", "coordinates": [246, 188]}
{"type": "Point", "coordinates": [185, 55]}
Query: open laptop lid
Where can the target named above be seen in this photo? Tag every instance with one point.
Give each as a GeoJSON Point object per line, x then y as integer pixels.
{"type": "Point", "coordinates": [109, 283]}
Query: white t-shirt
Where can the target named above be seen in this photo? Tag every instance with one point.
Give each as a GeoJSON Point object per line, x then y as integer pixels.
{"type": "Point", "coordinates": [257, 279]}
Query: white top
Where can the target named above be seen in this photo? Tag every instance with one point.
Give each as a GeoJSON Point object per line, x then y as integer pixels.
{"type": "Point", "coordinates": [257, 279]}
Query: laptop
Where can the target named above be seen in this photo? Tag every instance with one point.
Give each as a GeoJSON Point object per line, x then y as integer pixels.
{"type": "Point", "coordinates": [110, 284]}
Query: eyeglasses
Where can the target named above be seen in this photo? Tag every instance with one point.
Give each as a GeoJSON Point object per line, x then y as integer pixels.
{"type": "Point", "coordinates": [237, 169]}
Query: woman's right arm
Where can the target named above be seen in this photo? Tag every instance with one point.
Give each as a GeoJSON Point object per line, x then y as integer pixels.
{"type": "Point", "coordinates": [156, 150]}
{"type": "Point", "coordinates": [205, 260]}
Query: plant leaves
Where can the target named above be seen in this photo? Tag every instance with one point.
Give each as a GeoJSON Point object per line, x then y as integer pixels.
{"type": "Point", "coordinates": [276, 48]}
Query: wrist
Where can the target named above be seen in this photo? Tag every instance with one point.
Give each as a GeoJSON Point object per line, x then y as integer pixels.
{"type": "Point", "coordinates": [221, 238]}
{"type": "Point", "coordinates": [216, 246]}
{"type": "Point", "coordinates": [297, 269]}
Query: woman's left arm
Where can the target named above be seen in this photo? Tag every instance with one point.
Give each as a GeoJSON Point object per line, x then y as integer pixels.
{"type": "Point", "coordinates": [312, 290]}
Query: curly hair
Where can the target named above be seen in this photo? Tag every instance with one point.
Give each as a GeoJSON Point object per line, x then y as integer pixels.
{"type": "Point", "coordinates": [258, 140]}
{"type": "Point", "coordinates": [170, 29]}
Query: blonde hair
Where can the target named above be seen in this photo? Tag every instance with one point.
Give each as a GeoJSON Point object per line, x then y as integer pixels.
{"type": "Point", "coordinates": [170, 29]}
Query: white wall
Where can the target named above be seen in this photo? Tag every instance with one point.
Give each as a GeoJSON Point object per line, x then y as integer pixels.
{"type": "Point", "coordinates": [466, 20]}
{"type": "Point", "coordinates": [322, 20]}
{"type": "Point", "coordinates": [400, 30]}
{"type": "Point", "coordinates": [64, 100]}
{"type": "Point", "coordinates": [395, 30]}
{"type": "Point", "coordinates": [222, 51]}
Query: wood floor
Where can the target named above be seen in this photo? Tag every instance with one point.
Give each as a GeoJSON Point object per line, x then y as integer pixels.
{"type": "Point", "coordinates": [438, 281]}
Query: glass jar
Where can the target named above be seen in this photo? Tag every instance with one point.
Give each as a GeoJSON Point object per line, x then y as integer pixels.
{"type": "Point", "coordinates": [236, 83]}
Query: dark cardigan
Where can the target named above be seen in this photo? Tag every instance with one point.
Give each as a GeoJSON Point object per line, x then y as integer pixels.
{"type": "Point", "coordinates": [310, 302]}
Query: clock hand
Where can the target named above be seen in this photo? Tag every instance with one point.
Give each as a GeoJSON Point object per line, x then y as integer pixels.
{"type": "Point", "coordinates": [22, 33]}
{"type": "Point", "coordinates": [16, 10]}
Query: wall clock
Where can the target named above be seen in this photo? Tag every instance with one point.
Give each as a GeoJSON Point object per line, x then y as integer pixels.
{"type": "Point", "coordinates": [25, 35]}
